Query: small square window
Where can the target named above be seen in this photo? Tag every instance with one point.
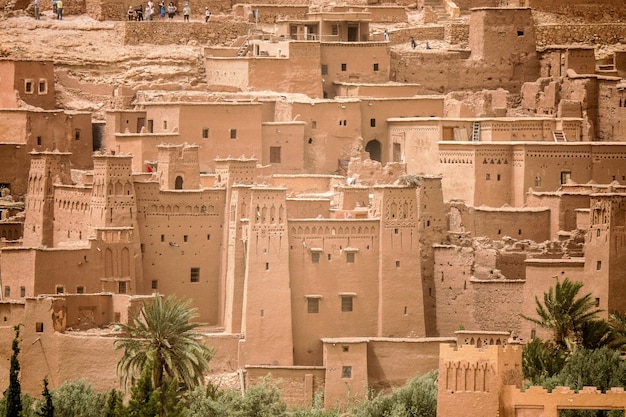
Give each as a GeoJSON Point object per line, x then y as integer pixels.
{"type": "Point", "coordinates": [205, 133]}
{"type": "Point", "coordinates": [565, 176]}
{"type": "Point", "coordinates": [498, 177]}
{"type": "Point", "coordinates": [43, 87]}
{"type": "Point", "coordinates": [38, 140]}
{"type": "Point", "coordinates": [375, 67]}
{"type": "Point", "coordinates": [315, 257]}
{"type": "Point", "coordinates": [324, 69]}
{"type": "Point", "coordinates": [162, 238]}
{"type": "Point", "coordinates": [208, 237]}
{"type": "Point", "coordinates": [397, 264]}
{"type": "Point", "coordinates": [334, 30]}
{"type": "Point", "coordinates": [372, 122]}
{"type": "Point", "coordinates": [597, 302]}
{"type": "Point", "coordinates": [344, 67]}
{"type": "Point", "coordinates": [154, 284]}
{"type": "Point", "coordinates": [324, 94]}
{"type": "Point", "coordinates": [598, 265]}
{"type": "Point", "coordinates": [267, 266]}
{"type": "Point", "coordinates": [233, 133]}
{"type": "Point", "coordinates": [346, 372]}
{"type": "Point", "coordinates": [185, 238]}
{"type": "Point", "coordinates": [22, 291]}
{"type": "Point", "coordinates": [29, 87]}
{"type": "Point", "coordinates": [7, 291]}
{"type": "Point", "coordinates": [313, 124]}
{"type": "Point", "coordinates": [80, 289]}
{"type": "Point", "coordinates": [312, 305]}
{"type": "Point", "coordinates": [121, 287]}
{"type": "Point", "coordinates": [77, 134]}
{"type": "Point", "coordinates": [488, 177]}
{"type": "Point", "coordinates": [59, 289]}
{"type": "Point", "coordinates": [195, 275]}
{"type": "Point", "coordinates": [350, 257]}
{"type": "Point", "coordinates": [39, 327]}
{"type": "Point", "coordinates": [346, 303]}
{"type": "Point", "coordinates": [164, 124]}
{"type": "Point", "coordinates": [150, 126]}
{"type": "Point", "coordinates": [274, 154]}
{"type": "Point", "coordinates": [345, 348]}
{"type": "Point", "coordinates": [520, 33]}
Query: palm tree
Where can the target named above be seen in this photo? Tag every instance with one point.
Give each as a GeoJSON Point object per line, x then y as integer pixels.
{"type": "Point", "coordinates": [565, 314]}
{"type": "Point", "coordinates": [163, 337]}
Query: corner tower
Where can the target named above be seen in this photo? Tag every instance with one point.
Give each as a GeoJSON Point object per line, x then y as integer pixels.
{"type": "Point", "coordinates": [46, 170]}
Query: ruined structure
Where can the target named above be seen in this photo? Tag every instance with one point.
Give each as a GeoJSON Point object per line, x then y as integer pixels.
{"type": "Point", "coordinates": [330, 197]}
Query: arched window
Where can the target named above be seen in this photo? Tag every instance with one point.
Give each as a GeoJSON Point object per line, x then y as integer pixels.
{"type": "Point", "coordinates": [178, 183]}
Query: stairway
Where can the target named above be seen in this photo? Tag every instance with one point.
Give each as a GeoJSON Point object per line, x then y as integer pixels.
{"type": "Point", "coordinates": [559, 136]}
{"type": "Point", "coordinates": [476, 132]}
{"type": "Point", "coordinates": [243, 49]}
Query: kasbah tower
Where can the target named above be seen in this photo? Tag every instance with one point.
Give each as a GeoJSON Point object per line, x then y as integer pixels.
{"type": "Point", "coordinates": [344, 210]}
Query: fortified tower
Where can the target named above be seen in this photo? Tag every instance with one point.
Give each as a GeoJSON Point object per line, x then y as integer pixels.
{"type": "Point", "coordinates": [46, 170]}
{"type": "Point", "coordinates": [266, 321]}
{"type": "Point", "coordinates": [178, 167]}
{"type": "Point", "coordinates": [401, 308]}
{"type": "Point", "coordinates": [241, 172]}
{"type": "Point", "coordinates": [605, 252]}
{"type": "Point", "coordinates": [113, 197]}
{"type": "Point", "coordinates": [471, 378]}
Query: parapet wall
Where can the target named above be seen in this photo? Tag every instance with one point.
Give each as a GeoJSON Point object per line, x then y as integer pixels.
{"type": "Point", "coordinates": [538, 401]}
{"type": "Point", "coordinates": [589, 34]}
{"type": "Point", "coordinates": [298, 385]}
{"type": "Point", "coordinates": [219, 31]}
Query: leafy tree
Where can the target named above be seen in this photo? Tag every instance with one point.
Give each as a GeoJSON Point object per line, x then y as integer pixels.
{"type": "Point", "coordinates": [263, 400]}
{"type": "Point", "coordinates": [144, 399]}
{"type": "Point", "coordinates": [13, 394]}
{"type": "Point", "coordinates": [114, 405]}
{"type": "Point", "coordinates": [77, 399]}
{"type": "Point", "coordinates": [565, 314]}
{"type": "Point", "coordinates": [418, 398]}
{"type": "Point", "coordinates": [163, 334]}
{"type": "Point", "coordinates": [540, 361]}
{"type": "Point", "coordinates": [45, 406]}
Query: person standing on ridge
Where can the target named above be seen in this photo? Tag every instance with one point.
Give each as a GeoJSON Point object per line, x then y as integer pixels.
{"type": "Point", "coordinates": [207, 14]}
{"type": "Point", "coordinates": [186, 12]}
{"type": "Point", "coordinates": [59, 9]}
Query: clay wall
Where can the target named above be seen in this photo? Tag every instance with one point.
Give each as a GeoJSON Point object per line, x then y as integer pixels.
{"type": "Point", "coordinates": [29, 81]}
{"type": "Point", "coordinates": [524, 223]}
{"type": "Point", "coordinates": [303, 183]}
{"type": "Point", "coordinates": [271, 13]}
{"type": "Point", "coordinates": [225, 347]}
{"type": "Point", "coordinates": [384, 13]}
{"type": "Point", "coordinates": [563, 209]}
{"type": "Point", "coordinates": [457, 33]}
{"type": "Point", "coordinates": [387, 90]}
{"type": "Point", "coordinates": [143, 147]}
{"type": "Point", "coordinates": [123, 121]}
{"type": "Point", "coordinates": [298, 73]}
{"type": "Point", "coordinates": [333, 264]}
{"type": "Point", "coordinates": [470, 378]}
{"type": "Point", "coordinates": [365, 62]}
{"type": "Point", "coordinates": [332, 132]}
{"type": "Point", "coordinates": [384, 369]}
{"type": "Point", "coordinates": [308, 208]}
{"type": "Point", "coordinates": [71, 214]}
{"type": "Point", "coordinates": [231, 129]}
{"type": "Point", "coordinates": [229, 73]}
{"type": "Point", "coordinates": [452, 288]}
{"type": "Point", "coordinates": [588, 34]}
{"type": "Point", "coordinates": [375, 112]}
{"type": "Point", "coordinates": [178, 229]}
{"type": "Point", "coordinates": [221, 30]}
{"type": "Point", "coordinates": [423, 33]}
{"type": "Point", "coordinates": [541, 275]}
{"type": "Point", "coordinates": [60, 357]}
{"type": "Point", "coordinates": [346, 378]}
{"type": "Point", "coordinates": [11, 230]}
{"type": "Point", "coordinates": [610, 126]}
{"type": "Point", "coordinates": [298, 386]}
{"type": "Point", "coordinates": [549, 404]}
{"type": "Point", "coordinates": [283, 146]}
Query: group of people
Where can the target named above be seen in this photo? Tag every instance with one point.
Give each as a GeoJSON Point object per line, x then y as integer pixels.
{"type": "Point", "coordinates": [57, 9]}
{"type": "Point", "coordinates": [140, 13]}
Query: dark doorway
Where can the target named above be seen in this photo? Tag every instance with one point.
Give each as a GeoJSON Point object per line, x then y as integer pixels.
{"type": "Point", "coordinates": [373, 147]}
{"type": "Point", "coordinates": [178, 184]}
{"type": "Point", "coordinates": [353, 33]}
